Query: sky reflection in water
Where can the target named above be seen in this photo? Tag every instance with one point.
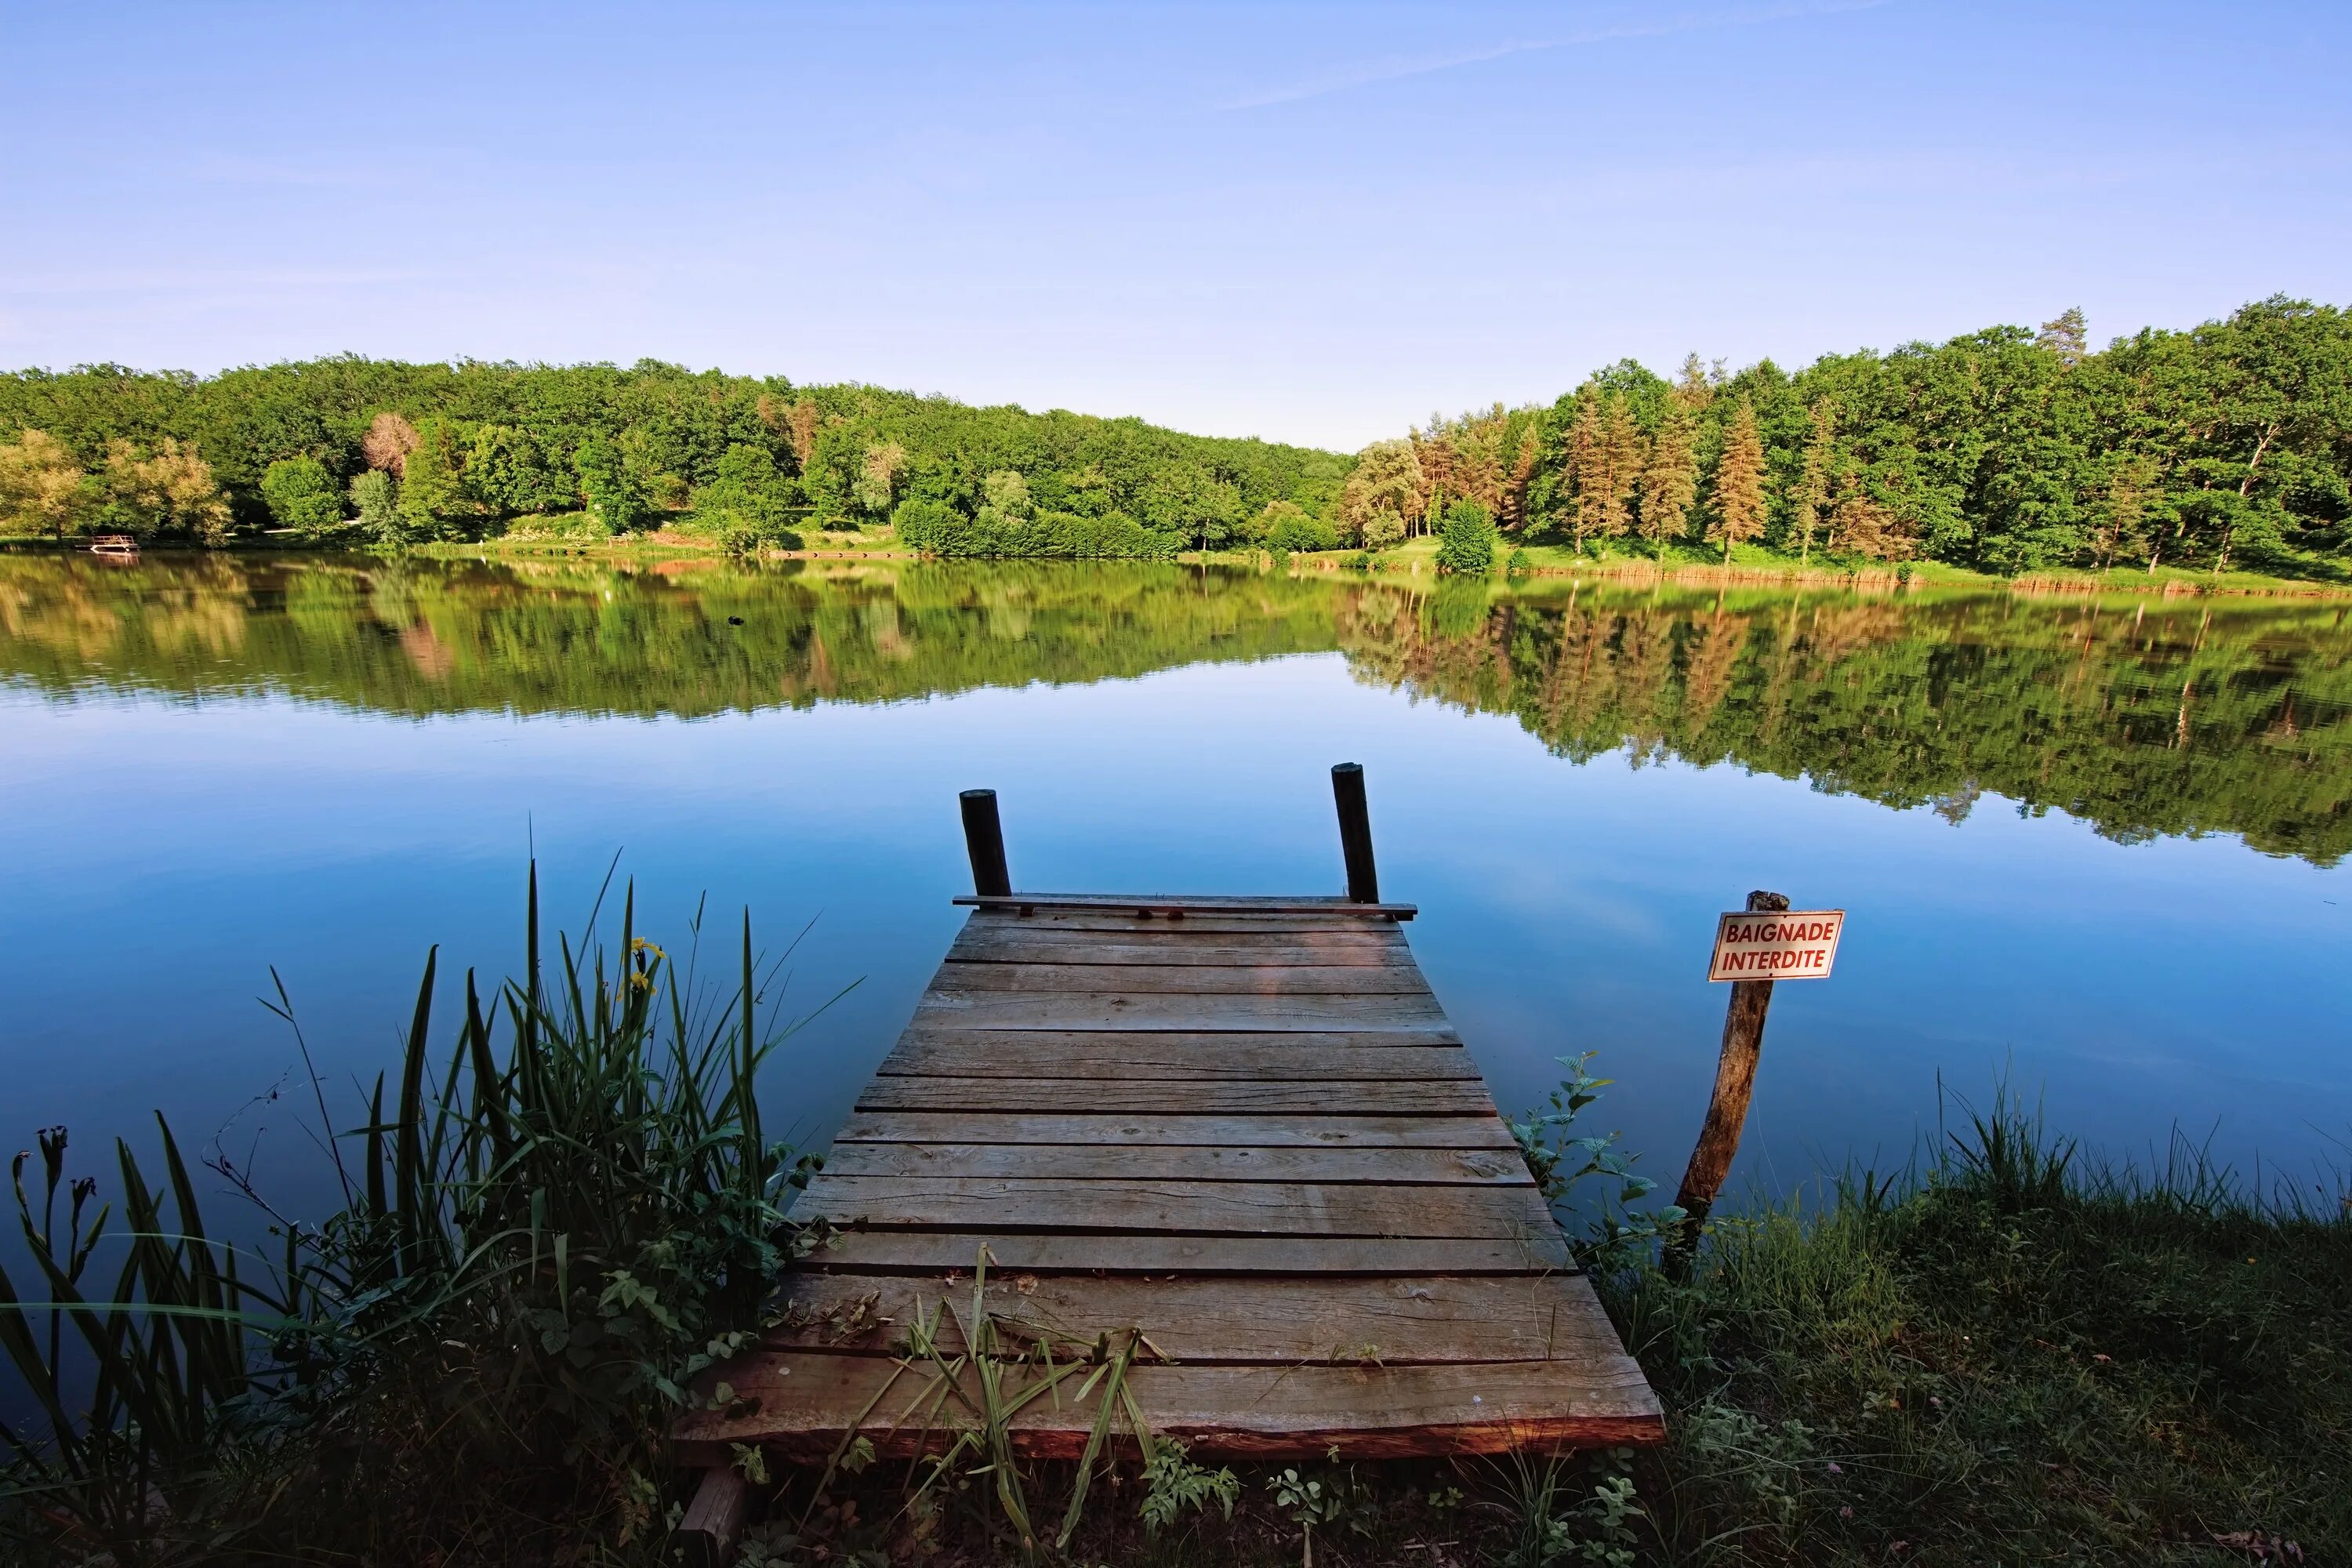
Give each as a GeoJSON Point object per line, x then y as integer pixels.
{"type": "Point", "coordinates": [215, 767]}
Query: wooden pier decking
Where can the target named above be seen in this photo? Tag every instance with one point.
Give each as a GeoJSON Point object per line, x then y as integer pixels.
{"type": "Point", "coordinates": [1242, 1127]}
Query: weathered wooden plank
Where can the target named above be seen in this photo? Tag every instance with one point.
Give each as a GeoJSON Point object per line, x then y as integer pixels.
{"type": "Point", "coordinates": [1127, 921]}
{"type": "Point", "coordinates": [1249, 1319]}
{"type": "Point", "coordinates": [1093, 1161]}
{"type": "Point", "coordinates": [980, 1042]}
{"type": "Point", "coordinates": [1184, 904]}
{"type": "Point", "coordinates": [989, 942]}
{"type": "Point", "coordinates": [1481, 1212]}
{"type": "Point", "coordinates": [1148, 1056]}
{"type": "Point", "coordinates": [1145, 1010]}
{"type": "Point", "coordinates": [1196, 1097]}
{"type": "Point", "coordinates": [800, 1403]}
{"type": "Point", "coordinates": [1476, 1130]}
{"type": "Point", "coordinates": [713, 1520]}
{"type": "Point", "coordinates": [1184, 979]}
{"type": "Point", "coordinates": [936, 1253]}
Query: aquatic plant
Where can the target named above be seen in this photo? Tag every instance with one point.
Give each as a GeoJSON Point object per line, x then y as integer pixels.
{"type": "Point", "coordinates": [541, 1240]}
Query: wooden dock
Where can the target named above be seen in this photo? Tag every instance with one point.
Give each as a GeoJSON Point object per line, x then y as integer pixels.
{"type": "Point", "coordinates": [1237, 1135]}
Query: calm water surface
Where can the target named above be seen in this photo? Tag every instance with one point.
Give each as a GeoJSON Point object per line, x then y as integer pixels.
{"type": "Point", "coordinates": [2095, 847]}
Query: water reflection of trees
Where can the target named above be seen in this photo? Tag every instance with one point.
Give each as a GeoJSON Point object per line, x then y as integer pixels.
{"type": "Point", "coordinates": [2164, 717]}
{"type": "Point", "coordinates": [2175, 716]}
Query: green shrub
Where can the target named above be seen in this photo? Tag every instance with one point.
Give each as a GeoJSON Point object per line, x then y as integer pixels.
{"type": "Point", "coordinates": [303, 497]}
{"type": "Point", "coordinates": [934, 528]}
{"type": "Point", "coordinates": [1301, 532]}
{"type": "Point", "coordinates": [1467, 542]}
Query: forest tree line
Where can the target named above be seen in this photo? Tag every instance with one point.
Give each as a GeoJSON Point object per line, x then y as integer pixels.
{"type": "Point", "coordinates": [380, 452]}
{"type": "Point", "coordinates": [2004, 450]}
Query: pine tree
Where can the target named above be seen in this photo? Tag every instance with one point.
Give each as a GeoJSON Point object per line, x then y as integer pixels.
{"type": "Point", "coordinates": [1670, 483]}
{"type": "Point", "coordinates": [2067, 335]}
{"type": "Point", "coordinates": [1623, 453]}
{"type": "Point", "coordinates": [1693, 390]}
{"type": "Point", "coordinates": [1583, 460]}
{"type": "Point", "coordinates": [1739, 481]}
{"type": "Point", "coordinates": [1813, 493]}
{"type": "Point", "coordinates": [1861, 526]}
{"type": "Point", "coordinates": [1513, 510]}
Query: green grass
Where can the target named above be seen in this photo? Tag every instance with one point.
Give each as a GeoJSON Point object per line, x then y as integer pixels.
{"type": "Point", "coordinates": [2006, 1354]}
{"type": "Point", "coordinates": [2103, 1372]}
{"type": "Point", "coordinates": [552, 1215]}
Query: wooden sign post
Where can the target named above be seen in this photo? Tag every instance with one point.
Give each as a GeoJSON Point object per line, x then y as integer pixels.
{"type": "Point", "coordinates": [1753, 948]}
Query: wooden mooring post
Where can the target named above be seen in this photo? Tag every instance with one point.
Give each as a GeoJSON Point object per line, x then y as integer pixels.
{"type": "Point", "coordinates": [984, 836]}
{"type": "Point", "coordinates": [1355, 833]}
{"type": "Point", "coordinates": [1727, 1109]}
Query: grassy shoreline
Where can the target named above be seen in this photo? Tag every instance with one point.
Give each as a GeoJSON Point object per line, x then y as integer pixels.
{"type": "Point", "coordinates": [2004, 1353]}
{"type": "Point", "coordinates": [1750, 565]}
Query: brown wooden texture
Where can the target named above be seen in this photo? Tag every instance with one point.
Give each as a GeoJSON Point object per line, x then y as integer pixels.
{"type": "Point", "coordinates": [1355, 1097]}
{"type": "Point", "coordinates": [801, 1402]}
{"type": "Point", "coordinates": [1245, 1056]}
{"type": "Point", "coordinates": [1243, 1131]}
{"type": "Point", "coordinates": [947, 1252]}
{"type": "Point", "coordinates": [1467, 1131]}
{"type": "Point", "coordinates": [1726, 1107]}
{"type": "Point", "coordinates": [713, 1520]}
{"type": "Point", "coordinates": [1240, 977]}
{"type": "Point", "coordinates": [1474, 1210]}
{"type": "Point", "coordinates": [1390, 1322]}
{"type": "Point", "coordinates": [1164, 1162]}
{"type": "Point", "coordinates": [1177, 906]}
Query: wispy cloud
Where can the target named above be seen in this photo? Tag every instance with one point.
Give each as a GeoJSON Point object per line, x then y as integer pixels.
{"type": "Point", "coordinates": [1397, 68]}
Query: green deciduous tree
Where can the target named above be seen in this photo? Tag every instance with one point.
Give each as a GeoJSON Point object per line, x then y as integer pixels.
{"type": "Point", "coordinates": [41, 489]}
{"type": "Point", "coordinates": [303, 497]}
{"type": "Point", "coordinates": [615, 493]}
{"type": "Point", "coordinates": [168, 490]}
{"type": "Point", "coordinates": [749, 500]}
{"type": "Point", "coordinates": [1376, 504]}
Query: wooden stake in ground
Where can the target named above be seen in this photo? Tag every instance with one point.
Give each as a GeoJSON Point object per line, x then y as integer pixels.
{"type": "Point", "coordinates": [1727, 1111]}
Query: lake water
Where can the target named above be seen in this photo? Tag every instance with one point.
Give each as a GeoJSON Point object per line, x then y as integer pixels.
{"type": "Point", "coordinates": [2090, 846]}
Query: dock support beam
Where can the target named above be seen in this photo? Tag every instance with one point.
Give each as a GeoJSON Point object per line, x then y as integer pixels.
{"type": "Point", "coordinates": [984, 837]}
{"type": "Point", "coordinates": [1355, 833]}
{"type": "Point", "coordinates": [1727, 1109]}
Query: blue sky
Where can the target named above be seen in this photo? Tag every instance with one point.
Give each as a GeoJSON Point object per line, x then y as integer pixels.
{"type": "Point", "coordinates": [1312, 224]}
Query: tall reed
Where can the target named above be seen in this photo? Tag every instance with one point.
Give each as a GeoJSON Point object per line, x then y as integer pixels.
{"type": "Point", "coordinates": [547, 1225]}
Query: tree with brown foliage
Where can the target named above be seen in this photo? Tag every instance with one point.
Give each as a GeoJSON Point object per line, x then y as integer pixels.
{"type": "Point", "coordinates": [1862, 525]}
{"type": "Point", "coordinates": [1739, 482]}
{"type": "Point", "coordinates": [388, 441]}
{"type": "Point", "coordinates": [1691, 389]}
{"type": "Point", "coordinates": [1811, 496]}
{"type": "Point", "coordinates": [1512, 508]}
{"type": "Point", "coordinates": [1605, 454]}
{"type": "Point", "coordinates": [1670, 481]}
{"type": "Point", "coordinates": [802, 422]}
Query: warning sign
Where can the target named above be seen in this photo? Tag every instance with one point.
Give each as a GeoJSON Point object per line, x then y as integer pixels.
{"type": "Point", "coordinates": [1792, 944]}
